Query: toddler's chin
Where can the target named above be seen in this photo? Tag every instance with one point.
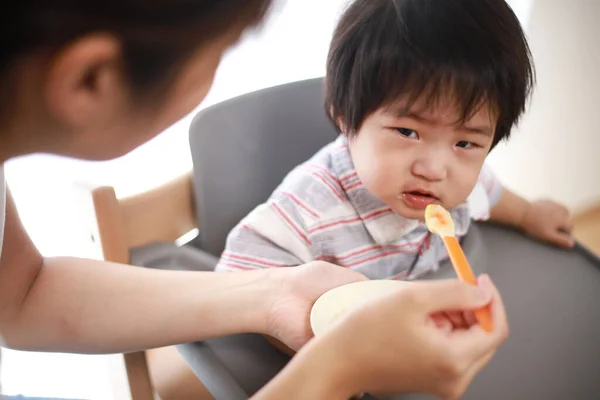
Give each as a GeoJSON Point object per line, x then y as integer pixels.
{"type": "Point", "coordinates": [409, 213]}
{"type": "Point", "coordinates": [414, 213]}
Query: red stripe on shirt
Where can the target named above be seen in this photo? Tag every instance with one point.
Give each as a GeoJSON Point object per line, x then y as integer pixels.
{"type": "Point", "coordinates": [325, 171]}
{"type": "Point", "coordinates": [376, 213]}
{"type": "Point", "coordinates": [369, 249]}
{"type": "Point", "coordinates": [330, 186]}
{"type": "Point", "coordinates": [349, 177]}
{"type": "Point", "coordinates": [353, 186]}
{"type": "Point", "coordinates": [373, 258]}
{"type": "Point", "coordinates": [252, 260]}
{"type": "Point", "coordinates": [349, 220]}
{"type": "Point", "coordinates": [236, 266]}
{"type": "Point", "coordinates": [290, 223]}
{"type": "Point", "coordinates": [301, 204]}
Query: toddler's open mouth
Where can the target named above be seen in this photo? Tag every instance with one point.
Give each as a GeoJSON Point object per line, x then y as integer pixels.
{"type": "Point", "coordinates": [418, 199]}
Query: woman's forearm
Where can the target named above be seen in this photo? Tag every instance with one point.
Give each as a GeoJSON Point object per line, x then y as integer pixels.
{"type": "Point", "coordinates": [317, 372]}
{"type": "Point", "coordinates": [77, 305]}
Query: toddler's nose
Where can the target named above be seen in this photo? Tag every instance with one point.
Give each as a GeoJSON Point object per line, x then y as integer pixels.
{"type": "Point", "coordinates": [431, 167]}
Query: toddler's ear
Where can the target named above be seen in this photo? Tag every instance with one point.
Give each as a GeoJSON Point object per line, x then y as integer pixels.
{"type": "Point", "coordinates": [339, 122]}
{"type": "Point", "coordinates": [342, 126]}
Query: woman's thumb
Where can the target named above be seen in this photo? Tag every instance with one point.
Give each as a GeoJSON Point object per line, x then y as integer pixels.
{"type": "Point", "coordinates": [452, 294]}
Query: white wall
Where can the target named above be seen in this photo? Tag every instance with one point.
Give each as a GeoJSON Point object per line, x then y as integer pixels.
{"type": "Point", "coordinates": [556, 151]}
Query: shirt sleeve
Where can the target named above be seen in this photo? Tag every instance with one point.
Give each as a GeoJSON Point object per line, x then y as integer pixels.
{"type": "Point", "coordinates": [485, 195]}
{"type": "Point", "coordinates": [272, 235]}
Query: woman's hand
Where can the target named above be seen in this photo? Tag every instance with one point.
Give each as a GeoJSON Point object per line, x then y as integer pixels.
{"type": "Point", "coordinates": [295, 291]}
{"type": "Point", "coordinates": [402, 342]}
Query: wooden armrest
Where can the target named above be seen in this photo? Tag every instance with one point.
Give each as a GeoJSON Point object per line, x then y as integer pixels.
{"type": "Point", "coordinates": [162, 214]}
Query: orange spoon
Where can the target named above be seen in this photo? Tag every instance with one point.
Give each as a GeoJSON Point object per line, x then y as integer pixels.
{"type": "Point", "coordinates": [439, 221]}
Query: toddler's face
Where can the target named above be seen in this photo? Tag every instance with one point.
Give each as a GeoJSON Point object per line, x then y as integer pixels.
{"type": "Point", "coordinates": [411, 159]}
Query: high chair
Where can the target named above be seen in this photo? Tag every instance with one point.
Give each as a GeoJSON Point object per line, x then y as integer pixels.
{"type": "Point", "coordinates": [242, 148]}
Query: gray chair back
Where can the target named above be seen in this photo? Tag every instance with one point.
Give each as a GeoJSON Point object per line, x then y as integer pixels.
{"type": "Point", "coordinates": [242, 149]}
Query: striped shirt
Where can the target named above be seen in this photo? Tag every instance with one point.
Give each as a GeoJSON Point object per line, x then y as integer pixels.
{"type": "Point", "coordinates": [321, 211]}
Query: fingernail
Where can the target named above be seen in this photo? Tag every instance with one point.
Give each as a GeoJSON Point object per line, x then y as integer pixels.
{"type": "Point", "coordinates": [484, 287]}
{"type": "Point", "coordinates": [484, 279]}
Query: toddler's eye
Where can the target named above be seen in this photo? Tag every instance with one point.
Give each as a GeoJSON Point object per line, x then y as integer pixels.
{"type": "Point", "coordinates": [409, 133]}
{"type": "Point", "coordinates": [465, 145]}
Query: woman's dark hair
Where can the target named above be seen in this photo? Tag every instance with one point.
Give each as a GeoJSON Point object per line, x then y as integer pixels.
{"type": "Point", "coordinates": [157, 36]}
{"type": "Point", "coordinates": [473, 50]}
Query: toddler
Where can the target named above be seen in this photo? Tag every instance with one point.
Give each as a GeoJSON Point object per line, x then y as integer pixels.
{"type": "Point", "coordinates": [421, 91]}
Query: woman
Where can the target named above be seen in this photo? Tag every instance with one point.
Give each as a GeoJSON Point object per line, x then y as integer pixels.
{"type": "Point", "coordinates": [94, 80]}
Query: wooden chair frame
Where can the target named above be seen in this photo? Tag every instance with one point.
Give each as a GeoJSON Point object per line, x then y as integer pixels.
{"type": "Point", "coordinates": [586, 227]}
{"type": "Point", "coordinates": [160, 215]}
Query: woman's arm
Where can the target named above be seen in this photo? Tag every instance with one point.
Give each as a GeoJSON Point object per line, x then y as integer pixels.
{"type": "Point", "coordinates": [75, 305]}
{"type": "Point", "coordinates": [316, 372]}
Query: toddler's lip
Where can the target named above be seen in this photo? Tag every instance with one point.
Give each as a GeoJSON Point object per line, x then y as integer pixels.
{"type": "Point", "coordinates": [422, 193]}
{"type": "Point", "coordinates": [419, 192]}
{"type": "Point", "coordinates": [418, 199]}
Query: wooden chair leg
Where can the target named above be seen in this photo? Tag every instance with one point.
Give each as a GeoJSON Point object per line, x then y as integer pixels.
{"type": "Point", "coordinates": [138, 376]}
{"type": "Point", "coordinates": [172, 377]}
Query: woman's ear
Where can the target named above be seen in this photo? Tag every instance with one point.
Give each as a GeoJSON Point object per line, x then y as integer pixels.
{"type": "Point", "coordinates": [85, 82]}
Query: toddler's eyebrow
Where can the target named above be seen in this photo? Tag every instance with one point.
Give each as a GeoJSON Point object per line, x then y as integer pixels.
{"type": "Point", "coordinates": [484, 130]}
{"type": "Point", "coordinates": [402, 113]}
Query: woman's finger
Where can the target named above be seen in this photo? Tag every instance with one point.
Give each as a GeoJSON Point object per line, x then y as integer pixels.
{"type": "Point", "coordinates": [457, 319]}
{"type": "Point", "coordinates": [474, 343]}
{"type": "Point", "coordinates": [470, 318]}
{"type": "Point", "coordinates": [447, 294]}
